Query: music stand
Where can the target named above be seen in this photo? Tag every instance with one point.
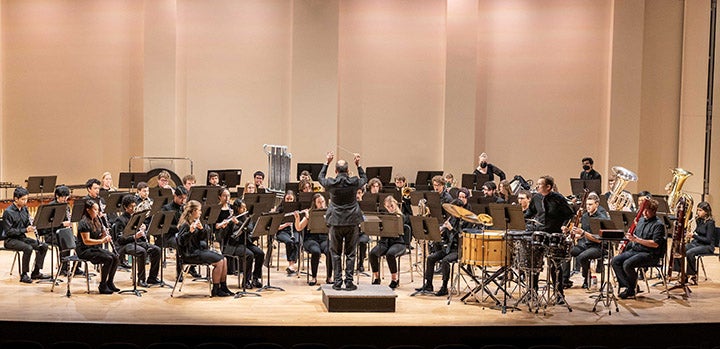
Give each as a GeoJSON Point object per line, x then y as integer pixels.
{"type": "Point", "coordinates": [205, 194]}
{"type": "Point", "coordinates": [383, 173]}
{"type": "Point", "coordinates": [423, 179]}
{"type": "Point", "coordinates": [78, 209]}
{"type": "Point", "coordinates": [606, 292]}
{"type": "Point", "coordinates": [305, 199]}
{"type": "Point", "coordinates": [369, 202]}
{"type": "Point", "coordinates": [317, 225]}
{"type": "Point", "coordinates": [50, 216]}
{"type": "Point", "coordinates": [228, 178]}
{"type": "Point", "coordinates": [481, 178]}
{"type": "Point", "coordinates": [267, 225]}
{"type": "Point", "coordinates": [114, 204]}
{"type": "Point", "coordinates": [129, 180]}
{"type": "Point", "coordinates": [159, 203]}
{"type": "Point", "coordinates": [158, 192]}
{"type": "Point", "coordinates": [294, 186]}
{"type": "Point", "coordinates": [133, 225]}
{"type": "Point", "coordinates": [160, 225]}
{"type": "Point", "coordinates": [468, 181]}
{"type": "Point", "coordinates": [663, 205]}
{"type": "Point", "coordinates": [497, 212]}
{"type": "Point", "coordinates": [578, 186]}
{"type": "Point", "coordinates": [425, 229]}
{"type": "Point", "coordinates": [313, 168]}
{"type": "Point", "coordinates": [619, 220]}
{"type": "Point", "coordinates": [391, 191]}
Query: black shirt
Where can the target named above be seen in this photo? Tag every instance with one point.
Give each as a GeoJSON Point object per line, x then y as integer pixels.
{"type": "Point", "coordinates": [556, 212]}
{"type": "Point", "coordinates": [190, 243]}
{"type": "Point", "coordinates": [87, 226]}
{"type": "Point", "coordinates": [118, 228]}
{"type": "Point", "coordinates": [15, 222]}
{"type": "Point", "coordinates": [344, 209]}
{"type": "Point", "coordinates": [600, 213]}
{"type": "Point", "coordinates": [650, 229]}
{"type": "Point", "coordinates": [491, 172]}
{"type": "Point", "coordinates": [705, 231]}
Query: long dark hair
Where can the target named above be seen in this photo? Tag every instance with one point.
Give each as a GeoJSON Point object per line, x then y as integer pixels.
{"type": "Point", "coordinates": [94, 222]}
{"type": "Point", "coordinates": [705, 206]}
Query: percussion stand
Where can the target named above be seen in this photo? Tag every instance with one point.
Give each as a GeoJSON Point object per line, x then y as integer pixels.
{"type": "Point", "coordinates": [425, 230]}
{"type": "Point", "coordinates": [532, 279]}
{"type": "Point", "coordinates": [268, 225]}
{"type": "Point", "coordinates": [555, 266]}
{"type": "Point", "coordinates": [606, 295]}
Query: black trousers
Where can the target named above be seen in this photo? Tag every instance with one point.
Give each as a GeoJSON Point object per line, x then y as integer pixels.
{"type": "Point", "coordinates": [391, 254]}
{"type": "Point", "coordinates": [315, 249]}
{"type": "Point", "coordinates": [141, 253]}
{"type": "Point", "coordinates": [363, 241]}
{"type": "Point", "coordinates": [250, 253]}
{"type": "Point", "coordinates": [109, 261]}
{"type": "Point", "coordinates": [26, 246]}
{"type": "Point", "coordinates": [343, 239]}
{"type": "Point", "coordinates": [445, 259]}
{"type": "Point", "coordinates": [291, 244]}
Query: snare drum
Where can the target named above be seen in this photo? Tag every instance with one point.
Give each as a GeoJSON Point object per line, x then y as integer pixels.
{"type": "Point", "coordinates": [487, 249]}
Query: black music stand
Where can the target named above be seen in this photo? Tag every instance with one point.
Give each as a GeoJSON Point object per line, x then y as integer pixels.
{"type": "Point", "coordinates": [578, 186]}
{"type": "Point", "coordinates": [390, 191]}
{"type": "Point", "coordinates": [606, 293]}
{"type": "Point", "coordinates": [158, 203]}
{"type": "Point", "coordinates": [383, 173]}
{"type": "Point", "coordinates": [620, 220]}
{"type": "Point", "coordinates": [129, 180]}
{"type": "Point", "coordinates": [267, 225]}
{"type": "Point", "coordinates": [516, 217]}
{"type": "Point", "coordinates": [114, 205]}
{"type": "Point", "coordinates": [423, 179]}
{"type": "Point", "coordinates": [497, 212]}
{"type": "Point", "coordinates": [41, 184]}
{"type": "Point", "coordinates": [468, 180]}
{"type": "Point", "coordinates": [425, 229]}
{"type": "Point", "coordinates": [663, 205]}
{"type": "Point", "coordinates": [294, 186]}
{"type": "Point", "coordinates": [244, 292]}
{"type": "Point", "coordinates": [228, 178]}
{"type": "Point", "coordinates": [369, 202]}
{"type": "Point", "coordinates": [205, 194]}
{"type": "Point", "coordinates": [481, 178]}
{"type": "Point", "coordinates": [78, 209]}
{"type": "Point", "coordinates": [158, 192]}
{"type": "Point", "coordinates": [159, 226]}
{"type": "Point", "coordinates": [133, 225]}
{"type": "Point", "coordinates": [50, 216]}
{"type": "Point", "coordinates": [313, 168]}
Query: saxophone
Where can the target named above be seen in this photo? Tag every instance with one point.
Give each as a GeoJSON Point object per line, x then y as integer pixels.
{"type": "Point", "coordinates": [675, 188]}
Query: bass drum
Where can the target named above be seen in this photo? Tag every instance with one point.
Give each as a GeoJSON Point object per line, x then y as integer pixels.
{"type": "Point", "coordinates": [152, 178]}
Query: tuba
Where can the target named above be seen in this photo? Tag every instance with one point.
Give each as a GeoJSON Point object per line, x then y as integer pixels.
{"type": "Point", "coordinates": [620, 200]}
{"type": "Point", "coordinates": [675, 188]}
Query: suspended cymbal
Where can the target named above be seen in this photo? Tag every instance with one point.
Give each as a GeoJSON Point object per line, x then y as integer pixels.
{"type": "Point", "coordinates": [467, 215]}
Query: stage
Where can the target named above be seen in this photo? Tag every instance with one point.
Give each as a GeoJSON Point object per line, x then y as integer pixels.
{"type": "Point", "coordinates": [298, 315]}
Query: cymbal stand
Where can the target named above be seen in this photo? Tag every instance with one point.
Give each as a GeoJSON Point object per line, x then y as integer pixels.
{"type": "Point", "coordinates": [606, 292]}
{"type": "Point", "coordinates": [423, 291]}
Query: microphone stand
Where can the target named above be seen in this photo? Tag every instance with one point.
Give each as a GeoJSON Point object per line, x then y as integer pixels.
{"type": "Point", "coordinates": [134, 290]}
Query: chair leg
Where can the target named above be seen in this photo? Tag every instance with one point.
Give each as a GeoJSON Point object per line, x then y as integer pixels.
{"type": "Point", "coordinates": [699, 261]}
{"type": "Point", "coordinates": [645, 277]}
{"type": "Point", "coordinates": [183, 273]}
{"type": "Point", "coordinates": [209, 282]}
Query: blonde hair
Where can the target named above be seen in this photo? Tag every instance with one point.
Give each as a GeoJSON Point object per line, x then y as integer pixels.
{"type": "Point", "coordinates": [191, 206]}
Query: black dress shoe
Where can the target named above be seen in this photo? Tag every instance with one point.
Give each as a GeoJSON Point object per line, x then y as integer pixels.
{"type": "Point", "coordinates": [153, 281]}
{"type": "Point", "coordinates": [376, 282]}
{"type": "Point", "coordinates": [567, 284]}
{"type": "Point", "coordinates": [194, 273]}
{"type": "Point", "coordinates": [394, 284]}
{"type": "Point", "coordinates": [24, 278]}
{"type": "Point", "coordinates": [142, 283]}
{"type": "Point", "coordinates": [361, 269]}
{"type": "Point", "coordinates": [350, 286]}
{"type": "Point", "coordinates": [112, 287]}
{"type": "Point", "coordinates": [625, 294]}
{"type": "Point", "coordinates": [103, 289]}
{"type": "Point", "coordinates": [39, 276]}
{"type": "Point", "coordinates": [124, 265]}
{"type": "Point", "coordinates": [312, 282]}
{"type": "Point", "coordinates": [256, 283]}
{"type": "Point", "coordinates": [337, 285]}
{"type": "Point", "coordinates": [443, 291]}
{"type": "Point", "coordinates": [585, 285]}
{"type": "Point", "coordinates": [426, 288]}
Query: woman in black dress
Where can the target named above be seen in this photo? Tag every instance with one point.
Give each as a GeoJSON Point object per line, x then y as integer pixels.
{"type": "Point", "coordinates": [315, 244]}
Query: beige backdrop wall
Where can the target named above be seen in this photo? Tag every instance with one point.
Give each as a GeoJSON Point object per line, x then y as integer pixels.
{"type": "Point", "coordinates": [419, 85]}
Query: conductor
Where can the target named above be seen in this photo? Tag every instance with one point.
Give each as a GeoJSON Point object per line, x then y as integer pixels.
{"type": "Point", "coordinates": [343, 217]}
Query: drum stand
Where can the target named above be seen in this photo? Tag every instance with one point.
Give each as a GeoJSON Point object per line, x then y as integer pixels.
{"type": "Point", "coordinates": [606, 295]}
{"type": "Point", "coordinates": [531, 297]}
{"type": "Point", "coordinates": [556, 297]}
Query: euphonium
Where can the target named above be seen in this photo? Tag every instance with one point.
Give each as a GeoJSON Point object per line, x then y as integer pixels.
{"type": "Point", "coordinates": [675, 187]}
{"type": "Point", "coordinates": [620, 200]}
{"type": "Point", "coordinates": [406, 190]}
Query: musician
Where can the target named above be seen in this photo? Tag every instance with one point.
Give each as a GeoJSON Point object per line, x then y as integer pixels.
{"type": "Point", "coordinates": [238, 242]}
{"type": "Point", "coordinates": [62, 193]}
{"type": "Point", "coordinates": [164, 180]}
{"type": "Point", "coordinates": [193, 247]}
{"type": "Point", "coordinates": [343, 216]}
{"type": "Point", "coordinates": [487, 168]}
{"type": "Point", "coordinates": [107, 184]}
{"type": "Point", "coordinates": [554, 213]}
{"type": "Point", "coordinates": [16, 225]}
{"type": "Point", "coordinates": [438, 183]}
{"type": "Point", "coordinates": [588, 171]}
{"type": "Point", "coordinates": [91, 236]}
{"type": "Point", "coordinates": [287, 235]}
{"type": "Point", "coordinates": [170, 239]}
{"type": "Point", "coordinates": [400, 184]}
{"type": "Point", "coordinates": [702, 243]}
{"type": "Point", "coordinates": [588, 246]}
{"type": "Point", "coordinates": [305, 186]}
{"type": "Point", "coordinates": [314, 243]}
{"type": "Point", "coordinates": [390, 247]}
{"type": "Point", "coordinates": [250, 188]}
{"type": "Point", "coordinates": [142, 197]}
{"type": "Point", "coordinates": [137, 245]}
{"type": "Point", "coordinates": [189, 181]}
{"type": "Point", "coordinates": [259, 177]}
{"type": "Point", "coordinates": [374, 185]}
{"type": "Point", "coordinates": [213, 179]}
{"type": "Point", "coordinates": [305, 175]}
{"type": "Point", "coordinates": [646, 247]}
{"type": "Point", "coordinates": [489, 190]}
{"type": "Point", "coordinates": [93, 187]}
{"type": "Point", "coordinates": [449, 180]}
{"type": "Point", "coordinates": [523, 199]}
{"type": "Point", "coordinates": [445, 254]}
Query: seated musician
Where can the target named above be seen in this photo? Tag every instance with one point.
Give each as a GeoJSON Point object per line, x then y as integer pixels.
{"type": "Point", "coordinates": [645, 249]}
{"type": "Point", "coordinates": [142, 199]}
{"type": "Point", "coordinates": [486, 168]}
{"type": "Point", "coordinates": [504, 190]}
{"type": "Point", "coordinates": [258, 178]}
{"type": "Point", "coordinates": [445, 254]}
{"type": "Point", "coordinates": [238, 241]}
{"type": "Point", "coordinates": [438, 183]}
{"type": "Point", "coordinates": [287, 235]}
{"type": "Point", "coordinates": [449, 180]}
{"type": "Point", "coordinates": [702, 243]}
{"type": "Point", "coordinates": [489, 190]}
{"type": "Point", "coordinates": [62, 193]}
{"type": "Point", "coordinates": [315, 244]}
{"type": "Point", "coordinates": [92, 236]}
{"type": "Point", "coordinates": [16, 226]}
{"type": "Point", "coordinates": [222, 226]}
{"type": "Point", "coordinates": [213, 179]}
{"type": "Point", "coordinates": [587, 247]}
{"type": "Point", "coordinates": [189, 181]}
{"type": "Point", "coordinates": [390, 247]}
{"type": "Point", "coordinates": [137, 245]}
{"type": "Point", "coordinates": [170, 239]}
{"type": "Point", "coordinates": [305, 175]}
{"type": "Point", "coordinates": [374, 186]}
{"type": "Point", "coordinates": [250, 188]}
{"type": "Point", "coordinates": [193, 247]}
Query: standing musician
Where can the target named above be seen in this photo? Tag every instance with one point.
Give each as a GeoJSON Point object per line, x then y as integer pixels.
{"type": "Point", "coordinates": [62, 193]}
{"type": "Point", "coordinates": [239, 243]}
{"type": "Point", "coordinates": [313, 243]}
{"type": "Point", "coordinates": [193, 247]}
{"type": "Point", "coordinates": [390, 247]}
{"type": "Point", "coordinates": [487, 168]}
{"type": "Point", "coordinates": [702, 243]}
{"type": "Point", "coordinates": [287, 235]}
{"type": "Point", "coordinates": [91, 236]}
{"type": "Point", "coordinates": [645, 249]}
{"type": "Point", "coordinates": [259, 177]}
{"type": "Point", "coordinates": [226, 221]}
{"type": "Point", "coordinates": [445, 254]}
{"type": "Point", "coordinates": [16, 223]}
{"type": "Point", "coordinates": [170, 238]}
{"type": "Point", "coordinates": [343, 216]}
{"type": "Point", "coordinates": [438, 183]}
{"type": "Point", "coordinates": [189, 181]}
{"type": "Point", "coordinates": [137, 245]}
{"type": "Point", "coordinates": [588, 246]}
{"type": "Point", "coordinates": [588, 171]}
{"type": "Point", "coordinates": [107, 183]}
{"type": "Point", "coordinates": [400, 184]}
{"type": "Point", "coordinates": [554, 215]}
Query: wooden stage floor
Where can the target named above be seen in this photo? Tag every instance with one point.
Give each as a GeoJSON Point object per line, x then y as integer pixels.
{"type": "Point", "coordinates": [301, 305]}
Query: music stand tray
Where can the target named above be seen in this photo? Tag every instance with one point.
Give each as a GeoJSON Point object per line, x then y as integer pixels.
{"type": "Point", "coordinates": [316, 222]}
{"type": "Point", "coordinates": [383, 225]}
{"type": "Point", "coordinates": [41, 184]}
{"type": "Point", "coordinates": [205, 194]}
{"type": "Point", "coordinates": [516, 217]}
{"type": "Point", "coordinates": [267, 225]}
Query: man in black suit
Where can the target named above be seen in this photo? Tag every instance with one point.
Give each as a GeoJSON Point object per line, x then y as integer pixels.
{"type": "Point", "coordinates": [343, 216]}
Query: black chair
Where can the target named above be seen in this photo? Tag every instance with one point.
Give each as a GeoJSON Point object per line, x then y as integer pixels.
{"type": "Point", "coordinates": [699, 260]}
{"type": "Point", "coordinates": [215, 345]}
{"type": "Point", "coordinates": [168, 345]}
{"type": "Point", "coordinates": [180, 280]}
{"type": "Point", "coordinates": [21, 344]}
{"type": "Point", "coordinates": [66, 239]}
{"type": "Point", "coordinates": [16, 258]}
{"type": "Point", "coordinates": [70, 345]}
